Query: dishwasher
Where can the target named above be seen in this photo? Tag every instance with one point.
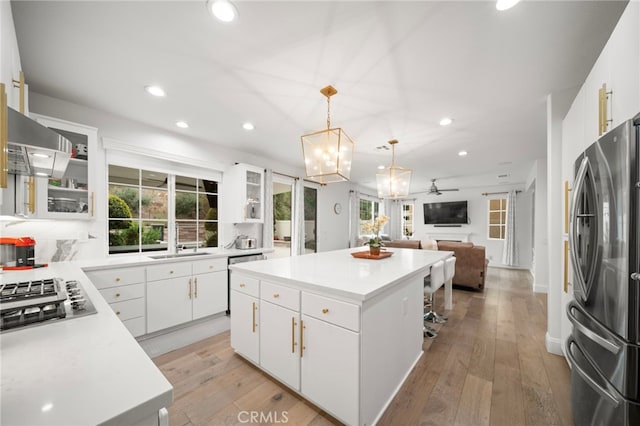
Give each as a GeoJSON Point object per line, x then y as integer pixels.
{"type": "Point", "coordinates": [239, 259]}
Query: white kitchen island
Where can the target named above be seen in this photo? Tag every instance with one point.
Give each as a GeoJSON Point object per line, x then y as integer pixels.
{"type": "Point", "coordinates": [343, 332]}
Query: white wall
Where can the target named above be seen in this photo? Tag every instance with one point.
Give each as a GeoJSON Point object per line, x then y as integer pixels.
{"type": "Point", "coordinates": [537, 187]}
{"type": "Point", "coordinates": [478, 221]}
{"type": "Point", "coordinates": [333, 229]}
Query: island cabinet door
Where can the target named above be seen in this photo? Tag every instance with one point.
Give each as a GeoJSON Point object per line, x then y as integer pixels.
{"type": "Point", "coordinates": [279, 343]}
{"type": "Point", "coordinates": [245, 318]}
{"type": "Point", "coordinates": [330, 368]}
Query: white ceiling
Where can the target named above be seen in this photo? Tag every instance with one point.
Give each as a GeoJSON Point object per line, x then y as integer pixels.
{"type": "Point", "coordinates": [399, 67]}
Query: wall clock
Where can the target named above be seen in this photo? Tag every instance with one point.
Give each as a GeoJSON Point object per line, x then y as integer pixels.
{"type": "Point", "coordinates": [337, 208]}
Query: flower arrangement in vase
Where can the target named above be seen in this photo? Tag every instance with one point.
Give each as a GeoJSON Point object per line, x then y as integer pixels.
{"type": "Point", "coordinates": [374, 242]}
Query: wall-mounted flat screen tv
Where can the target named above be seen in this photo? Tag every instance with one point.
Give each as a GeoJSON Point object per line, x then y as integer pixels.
{"type": "Point", "coordinates": [448, 213]}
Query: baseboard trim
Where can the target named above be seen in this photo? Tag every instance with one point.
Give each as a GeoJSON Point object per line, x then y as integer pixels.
{"type": "Point", "coordinates": [553, 344]}
{"type": "Point", "coordinates": [540, 288]}
{"type": "Point", "coordinates": [164, 341]}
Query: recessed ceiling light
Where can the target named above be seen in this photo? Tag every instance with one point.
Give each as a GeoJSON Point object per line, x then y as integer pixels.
{"type": "Point", "coordinates": [155, 91]}
{"type": "Point", "coordinates": [40, 155]}
{"type": "Point", "coordinates": [381, 167]}
{"type": "Point", "coordinates": [248, 126]}
{"type": "Point", "coordinates": [41, 174]}
{"type": "Point", "coordinates": [462, 153]}
{"type": "Point", "coordinates": [182, 124]}
{"type": "Point", "coordinates": [223, 10]}
{"type": "Point", "coordinates": [506, 4]}
{"type": "Point", "coordinates": [446, 121]}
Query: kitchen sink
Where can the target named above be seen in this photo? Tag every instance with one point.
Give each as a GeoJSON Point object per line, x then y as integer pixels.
{"type": "Point", "coordinates": [177, 255]}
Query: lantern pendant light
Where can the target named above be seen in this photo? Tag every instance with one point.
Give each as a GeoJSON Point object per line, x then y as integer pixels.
{"type": "Point", "coordinates": [327, 153]}
{"type": "Point", "coordinates": [393, 181]}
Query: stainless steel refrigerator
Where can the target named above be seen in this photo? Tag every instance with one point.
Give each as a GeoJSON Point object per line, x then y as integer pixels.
{"type": "Point", "coordinates": [604, 245]}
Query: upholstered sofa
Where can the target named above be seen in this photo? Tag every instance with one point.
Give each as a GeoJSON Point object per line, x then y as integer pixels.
{"type": "Point", "coordinates": [471, 262]}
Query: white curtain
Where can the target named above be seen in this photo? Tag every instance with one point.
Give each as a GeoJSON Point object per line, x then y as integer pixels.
{"type": "Point", "coordinates": [354, 218]}
{"type": "Point", "coordinates": [509, 252]}
{"type": "Point", "coordinates": [297, 233]}
{"type": "Point", "coordinates": [394, 211]}
{"type": "Point", "coordinates": [267, 228]}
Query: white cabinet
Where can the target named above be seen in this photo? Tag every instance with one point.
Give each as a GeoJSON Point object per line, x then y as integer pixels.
{"type": "Point", "coordinates": [331, 355]}
{"type": "Point", "coordinates": [309, 342]}
{"type": "Point", "coordinates": [179, 292]}
{"type": "Point", "coordinates": [280, 332]}
{"type": "Point", "coordinates": [245, 316]}
{"type": "Point", "coordinates": [10, 56]}
{"type": "Point", "coordinates": [72, 196]}
{"type": "Point", "coordinates": [210, 287]}
{"type": "Point", "coordinates": [242, 197]}
{"type": "Point", "coordinates": [169, 295]}
{"type": "Point", "coordinates": [123, 289]}
{"type": "Point", "coordinates": [617, 67]}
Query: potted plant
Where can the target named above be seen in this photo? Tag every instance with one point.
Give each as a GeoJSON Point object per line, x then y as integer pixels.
{"type": "Point", "coordinates": [374, 228]}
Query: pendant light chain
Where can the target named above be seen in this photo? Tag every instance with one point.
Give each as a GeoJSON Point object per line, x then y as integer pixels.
{"type": "Point", "coordinates": [328, 112]}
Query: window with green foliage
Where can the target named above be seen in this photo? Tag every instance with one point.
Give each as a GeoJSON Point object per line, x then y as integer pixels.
{"type": "Point", "coordinates": [139, 211]}
{"type": "Point", "coordinates": [369, 211]}
{"type": "Point", "coordinates": [407, 218]}
{"type": "Point", "coordinates": [196, 212]}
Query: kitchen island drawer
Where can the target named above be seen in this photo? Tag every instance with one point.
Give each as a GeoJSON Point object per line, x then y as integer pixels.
{"type": "Point", "coordinates": [245, 284]}
{"type": "Point", "coordinates": [336, 312]}
{"type": "Point", "coordinates": [120, 294]}
{"type": "Point", "coordinates": [168, 270]}
{"type": "Point", "coordinates": [129, 309]}
{"type": "Point", "coordinates": [286, 297]}
{"type": "Point", "coordinates": [210, 265]}
{"type": "Point", "coordinates": [136, 326]}
{"type": "Point", "coordinates": [116, 277]}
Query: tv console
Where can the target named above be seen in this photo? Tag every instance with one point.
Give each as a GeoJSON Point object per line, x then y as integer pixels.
{"type": "Point", "coordinates": [447, 226]}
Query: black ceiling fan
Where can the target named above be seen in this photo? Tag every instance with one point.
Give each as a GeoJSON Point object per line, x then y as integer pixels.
{"type": "Point", "coordinates": [435, 191]}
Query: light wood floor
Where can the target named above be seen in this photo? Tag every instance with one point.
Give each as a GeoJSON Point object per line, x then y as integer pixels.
{"type": "Point", "coordinates": [488, 366]}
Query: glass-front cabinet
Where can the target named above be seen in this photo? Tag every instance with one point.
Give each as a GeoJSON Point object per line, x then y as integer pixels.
{"type": "Point", "coordinates": [72, 196]}
{"type": "Point", "coordinates": [244, 194]}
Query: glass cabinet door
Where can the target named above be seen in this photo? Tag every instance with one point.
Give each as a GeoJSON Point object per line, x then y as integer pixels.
{"type": "Point", "coordinates": [70, 196]}
{"type": "Point", "coordinates": [254, 194]}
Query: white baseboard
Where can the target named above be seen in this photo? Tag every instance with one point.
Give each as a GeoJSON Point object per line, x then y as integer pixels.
{"type": "Point", "coordinates": [177, 337]}
{"type": "Point", "coordinates": [553, 344]}
{"type": "Point", "coordinates": [540, 288]}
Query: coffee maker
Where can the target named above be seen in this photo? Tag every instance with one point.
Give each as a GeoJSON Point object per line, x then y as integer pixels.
{"type": "Point", "coordinates": [17, 253]}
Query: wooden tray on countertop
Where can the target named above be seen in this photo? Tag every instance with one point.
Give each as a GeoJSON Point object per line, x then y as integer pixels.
{"type": "Point", "coordinates": [367, 255]}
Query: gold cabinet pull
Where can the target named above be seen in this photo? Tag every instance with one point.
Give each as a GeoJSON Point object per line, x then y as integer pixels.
{"type": "Point", "coordinates": [117, 279]}
{"type": "Point", "coordinates": [325, 310]}
{"type": "Point", "coordinates": [117, 312]}
{"type": "Point", "coordinates": [4, 136]}
{"type": "Point", "coordinates": [302, 327]}
{"type": "Point", "coordinates": [189, 287]}
{"type": "Point", "coordinates": [276, 295]}
{"type": "Point", "coordinates": [171, 272]}
{"type": "Point", "coordinates": [254, 316]}
{"type": "Point", "coordinates": [32, 194]}
{"type": "Point", "coordinates": [196, 283]}
{"type": "Point", "coordinates": [117, 294]}
{"type": "Point", "coordinates": [92, 204]}
{"type": "Point", "coordinates": [242, 285]}
{"type": "Point", "coordinates": [19, 83]}
{"type": "Point", "coordinates": [603, 119]}
{"type": "Point", "coordinates": [293, 335]}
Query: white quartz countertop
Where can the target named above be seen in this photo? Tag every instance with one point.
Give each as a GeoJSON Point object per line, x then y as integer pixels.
{"type": "Point", "coordinates": [116, 261]}
{"type": "Point", "coordinates": [80, 371]}
{"type": "Point", "coordinates": [341, 274]}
